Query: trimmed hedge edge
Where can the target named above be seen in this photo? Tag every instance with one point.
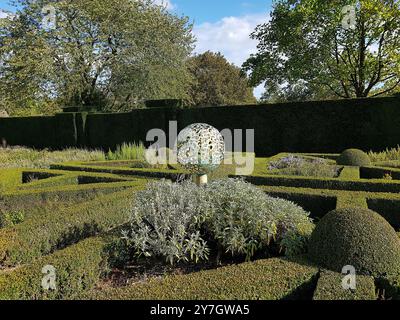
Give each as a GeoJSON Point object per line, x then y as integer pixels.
{"type": "Point", "coordinates": [77, 268]}
{"type": "Point", "coordinates": [56, 230]}
{"type": "Point", "coordinates": [330, 287]}
{"type": "Point", "coordinates": [271, 279]}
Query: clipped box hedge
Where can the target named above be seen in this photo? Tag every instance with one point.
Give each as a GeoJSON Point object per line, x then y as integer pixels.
{"type": "Point", "coordinates": [56, 230]}
{"type": "Point", "coordinates": [316, 203]}
{"type": "Point", "coordinates": [330, 126]}
{"type": "Point", "coordinates": [272, 279]}
{"type": "Point", "coordinates": [56, 181]}
{"type": "Point", "coordinates": [321, 201]}
{"type": "Point", "coordinates": [138, 172]}
{"type": "Point", "coordinates": [55, 178]}
{"type": "Point", "coordinates": [347, 199]}
{"type": "Point", "coordinates": [23, 179]}
{"type": "Point", "coordinates": [379, 173]}
{"type": "Point", "coordinates": [330, 287]}
{"type": "Point", "coordinates": [9, 179]}
{"type": "Point", "coordinates": [329, 156]}
{"type": "Point", "coordinates": [78, 268]}
{"type": "Point", "coordinates": [376, 185]}
{"type": "Point", "coordinates": [393, 164]}
{"type": "Point", "coordinates": [386, 207]}
{"type": "Point", "coordinates": [67, 192]}
{"type": "Point", "coordinates": [350, 173]}
{"type": "Point", "coordinates": [45, 178]}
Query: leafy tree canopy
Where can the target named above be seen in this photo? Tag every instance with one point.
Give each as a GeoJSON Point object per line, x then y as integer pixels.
{"type": "Point", "coordinates": [218, 82]}
{"type": "Point", "coordinates": [318, 49]}
{"type": "Point", "coordinates": [109, 54]}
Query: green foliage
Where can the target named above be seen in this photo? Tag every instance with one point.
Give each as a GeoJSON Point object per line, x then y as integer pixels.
{"type": "Point", "coordinates": [387, 155]}
{"type": "Point", "coordinates": [372, 185]}
{"type": "Point", "coordinates": [357, 237]}
{"type": "Point", "coordinates": [182, 222]}
{"type": "Point", "coordinates": [388, 164]}
{"type": "Point", "coordinates": [387, 207]}
{"type": "Point", "coordinates": [350, 173]}
{"type": "Point", "coordinates": [295, 241]}
{"type": "Point", "coordinates": [109, 67]}
{"type": "Point", "coordinates": [139, 169]}
{"type": "Point", "coordinates": [15, 210]}
{"type": "Point", "coordinates": [272, 279]}
{"type": "Point", "coordinates": [66, 192]}
{"type": "Point", "coordinates": [28, 241]}
{"type": "Point", "coordinates": [244, 220]}
{"type": "Point", "coordinates": [165, 223]}
{"type": "Point", "coordinates": [298, 166]}
{"type": "Point", "coordinates": [304, 51]}
{"type": "Point", "coordinates": [320, 201]}
{"type": "Point", "coordinates": [78, 269]}
{"type": "Point", "coordinates": [351, 200]}
{"type": "Point", "coordinates": [217, 82]}
{"type": "Point", "coordinates": [54, 230]}
{"type": "Point", "coordinates": [330, 287]}
{"type": "Point", "coordinates": [389, 288]}
{"type": "Point", "coordinates": [386, 173]}
{"type": "Point", "coordinates": [9, 178]}
{"type": "Point", "coordinates": [354, 157]}
{"type": "Point", "coordinates": [282, 125]}
{"type": "Point", "coordinates": [20, 157]}
{"type": "Point", "coordinates": [11, 218]}
{"type": "Point", "coordinates": [310, 170]}
{"type": "Point", "coordinates": [128, 151]}
{"type": "Point", "coordinates": [165, 103]}
{"type": "Point", "coordinates": [388, 177]}
{"type": "Point", "coordinates": [316, 201]}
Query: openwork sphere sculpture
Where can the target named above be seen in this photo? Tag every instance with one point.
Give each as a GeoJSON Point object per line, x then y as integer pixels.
{"type": "Point", "coordinates": [200, 148]}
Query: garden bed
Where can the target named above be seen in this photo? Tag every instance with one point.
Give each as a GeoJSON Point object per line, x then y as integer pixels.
{"type": "Point", "coordinates": [63, 216]}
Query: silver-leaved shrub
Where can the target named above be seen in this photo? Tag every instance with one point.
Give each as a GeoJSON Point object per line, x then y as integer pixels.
{"type": "Point", "coordinates": [165, 222]}
{"type": "Point", "coordinates": [243, 219]}
{"type": "Point", "coordinates": [174, 221]}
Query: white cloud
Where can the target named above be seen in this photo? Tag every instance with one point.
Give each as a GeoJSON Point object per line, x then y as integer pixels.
{"type": "Point", "coordinates": [231, 37]}
{"type": "Point", "coordinates": [3, 14]}
{"type": "Point", "coordinates": [165, 3]}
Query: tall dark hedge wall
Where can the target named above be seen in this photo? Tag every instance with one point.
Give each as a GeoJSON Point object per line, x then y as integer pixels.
{"type": "Point", "coordinates": [323, 126]}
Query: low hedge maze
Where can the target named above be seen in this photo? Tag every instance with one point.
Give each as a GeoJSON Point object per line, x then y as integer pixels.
{"type": "Point", "coordinates": [67, 217]}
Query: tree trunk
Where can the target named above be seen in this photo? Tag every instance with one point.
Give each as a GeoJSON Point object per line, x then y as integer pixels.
{"type": "Point", "coordinates": [360, 90]}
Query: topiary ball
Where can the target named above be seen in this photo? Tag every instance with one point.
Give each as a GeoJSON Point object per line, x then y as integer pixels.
{"type": "Point", "coordinates": [354, 157]}
{"type": "Point", "coordinates": [357, 237]}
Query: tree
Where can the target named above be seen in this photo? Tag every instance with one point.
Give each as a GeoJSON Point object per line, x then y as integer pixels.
{"type": "Point", "coordinates": [94, 53]}
{"type": "Point", "coordinates": [341, 48]}
{"type": "Point", "coordinates": [217, 82]}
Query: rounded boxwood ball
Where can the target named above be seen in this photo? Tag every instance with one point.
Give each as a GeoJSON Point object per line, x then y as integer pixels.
{"type": "Point", "coordinates": [357, 237]}
{"type": "Point", "coordinates": [354, 157]}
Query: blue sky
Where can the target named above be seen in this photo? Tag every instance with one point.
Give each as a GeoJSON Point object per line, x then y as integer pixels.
{"type": "Point", "coordinates": [202, 11]}
{"type": "Point", "coordinates": [220, 25]}
{"type": "Point", "coordinates": [214, 10]}
{"type": "Point", "coordinates": [4, 5]}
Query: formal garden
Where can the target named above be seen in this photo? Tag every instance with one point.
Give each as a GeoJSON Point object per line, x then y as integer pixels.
{"type": "Point", "coordinates": [115, 227]}
{"type": "Point", "coordinates": [194, 150]}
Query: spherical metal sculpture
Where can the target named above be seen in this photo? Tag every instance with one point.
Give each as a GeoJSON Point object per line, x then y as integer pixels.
{"type": "Point", "coordinates": [200, 148]}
